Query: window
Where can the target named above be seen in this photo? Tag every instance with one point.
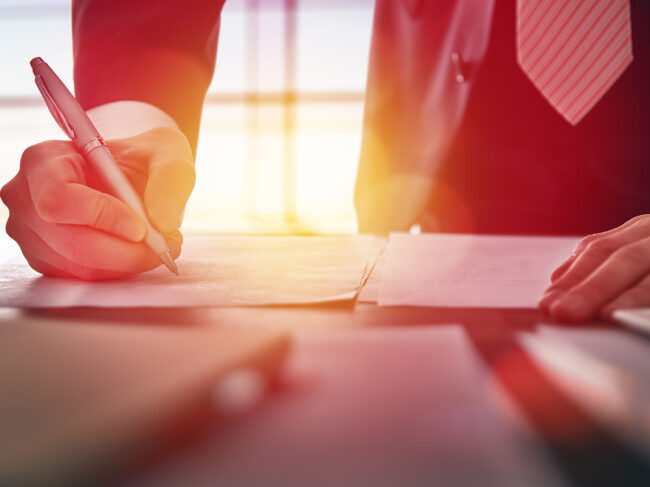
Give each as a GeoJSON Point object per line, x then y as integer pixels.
{"type": "Point", "coordinates": [281, 127]}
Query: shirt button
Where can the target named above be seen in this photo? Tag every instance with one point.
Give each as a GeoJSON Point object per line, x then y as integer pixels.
{"type": "Point", "coordinates": [457, 63]}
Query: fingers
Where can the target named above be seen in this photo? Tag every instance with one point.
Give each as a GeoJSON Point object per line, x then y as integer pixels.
{"type": "Point", "coordinates": [82, 251]}
{"type": "Point", "coordinates": [90, 248]}
{"type": "Point", "coordinates": [171, 180]}
{"type": "Point", "coordinates": [46, 269]}
{"type": "Point", "coordinates": [603, 268]}
{"type": "Point", "coordinates": [622, 270]}
{"type": "Point", "coordinates": [583, 265]}
{"type": "Point", "coordinates": [44, 259]}
{"type": "Point", "coordinates": [169, 186]}
{"type": "Point", "coordinates": [59, 197]}
{"type": "Point", "coordinates": [67, 228]}
{"type": "Point", "coordinates": [590, 253]}
{"type": "Point", "coordinates": [49, 263]}
{"type": "Point", "coordinates": [563, 267]}
{"type": "Point", "coordinates": [81, 205]}
{"type": "Point", "coordinates": [639, 222]}
{"type": "Point", "coordinates": [165, 155]}
{"type": "Point", "coordinates": [636, 296]}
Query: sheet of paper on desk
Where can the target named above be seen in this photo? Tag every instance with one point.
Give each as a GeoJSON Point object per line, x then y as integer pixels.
{"type": "Point", "coordinates": [605, 371]}
{"type": "Point", "coordinates": [214, 271]}
{"type": "Point", "coordinates": [616, 347]}
{"type": "Point", "coordinates": [468, 270]}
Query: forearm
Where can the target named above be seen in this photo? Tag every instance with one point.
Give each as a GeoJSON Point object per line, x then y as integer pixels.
{"type": "Point", "coordinates": [161, 53]}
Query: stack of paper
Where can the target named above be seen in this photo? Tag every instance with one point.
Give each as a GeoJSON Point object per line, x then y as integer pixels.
{"type": "Point", "coordinates": [214, 271]}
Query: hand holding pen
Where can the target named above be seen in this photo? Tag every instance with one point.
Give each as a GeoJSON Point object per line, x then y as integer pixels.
{"type": "Point", "coordinates": [67, 211]}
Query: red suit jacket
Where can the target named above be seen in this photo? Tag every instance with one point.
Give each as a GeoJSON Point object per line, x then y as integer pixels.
{"type": "Point", "coordinates": [502, 159]}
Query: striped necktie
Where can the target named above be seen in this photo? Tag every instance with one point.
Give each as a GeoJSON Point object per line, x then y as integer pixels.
{"type": "Point", "coordinates": [573, 50]}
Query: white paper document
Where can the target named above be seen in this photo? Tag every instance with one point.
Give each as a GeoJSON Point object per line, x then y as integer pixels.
{"type": "Point", "coordinates": [469, 271]}
{"type": "Point", "coordinates": [214, 271]}
{"type": "Point", "coordinates": [634, 318]}
{"type": "Point", "coordinates": [604, 371]}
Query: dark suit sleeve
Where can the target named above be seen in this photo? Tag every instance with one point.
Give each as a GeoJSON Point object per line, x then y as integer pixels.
{"type": "Point", "coordinates": [160, 52]}
{"type": "Point", "coordinates": [412, 104]}
{"type": "Point", "coordinates": [414, 100]}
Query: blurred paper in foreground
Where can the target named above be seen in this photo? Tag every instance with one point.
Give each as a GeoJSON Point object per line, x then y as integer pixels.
{"type": "Point", "coordinates": [604, 371]}
{"type": "Point", "coordinates": [214, 271]}
{"type": "Point", "coordinates": [78, 400]}
{"type": "Point", "coordinates": [470, 271]}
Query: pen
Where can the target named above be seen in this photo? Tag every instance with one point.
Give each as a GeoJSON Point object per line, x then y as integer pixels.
{"type": "Point", "coordinates": [75, 123]}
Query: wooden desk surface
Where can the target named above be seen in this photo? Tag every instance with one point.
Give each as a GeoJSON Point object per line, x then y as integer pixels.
{"type": "Point", "coordinates": [394, 396]}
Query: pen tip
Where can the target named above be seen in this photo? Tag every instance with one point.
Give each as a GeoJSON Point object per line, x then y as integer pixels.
{"type": "Point", "coordinates": [169, 262]}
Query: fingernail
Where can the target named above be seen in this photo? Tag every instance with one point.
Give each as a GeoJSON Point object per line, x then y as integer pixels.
{"type": "Point", "coordinates": [166, 215]}
{"type": "Point", "coordinates": [132, 229]}
{"type": "Point", "coordinates": [548, 297]}
{"type": "Point", "coordinates": [570, 307]}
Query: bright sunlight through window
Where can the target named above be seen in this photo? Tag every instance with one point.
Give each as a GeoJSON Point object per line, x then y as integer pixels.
{"type": "Point", "coordinates": [281, 127]}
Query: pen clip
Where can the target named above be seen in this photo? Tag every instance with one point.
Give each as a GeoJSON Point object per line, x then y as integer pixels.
{"type": "Point", "coordinates": [54, 110]}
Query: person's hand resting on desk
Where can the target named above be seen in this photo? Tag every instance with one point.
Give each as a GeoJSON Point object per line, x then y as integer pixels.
{"type": "Point", "coordinates": [607, 271]}
{"type": "Point", "coordinates": [66, 223]}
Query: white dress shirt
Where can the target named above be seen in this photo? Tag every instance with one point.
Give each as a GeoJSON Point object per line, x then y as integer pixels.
{"type": "Point", "coordinates": [127, 118]}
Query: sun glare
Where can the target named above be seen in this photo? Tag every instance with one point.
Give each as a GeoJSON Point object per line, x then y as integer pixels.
{"type": "Point", "coordinates": [281, 127]}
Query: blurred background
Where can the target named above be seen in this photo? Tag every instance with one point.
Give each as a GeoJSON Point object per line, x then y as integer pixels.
{"type": "Point", "coordinates": [281, 127]}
